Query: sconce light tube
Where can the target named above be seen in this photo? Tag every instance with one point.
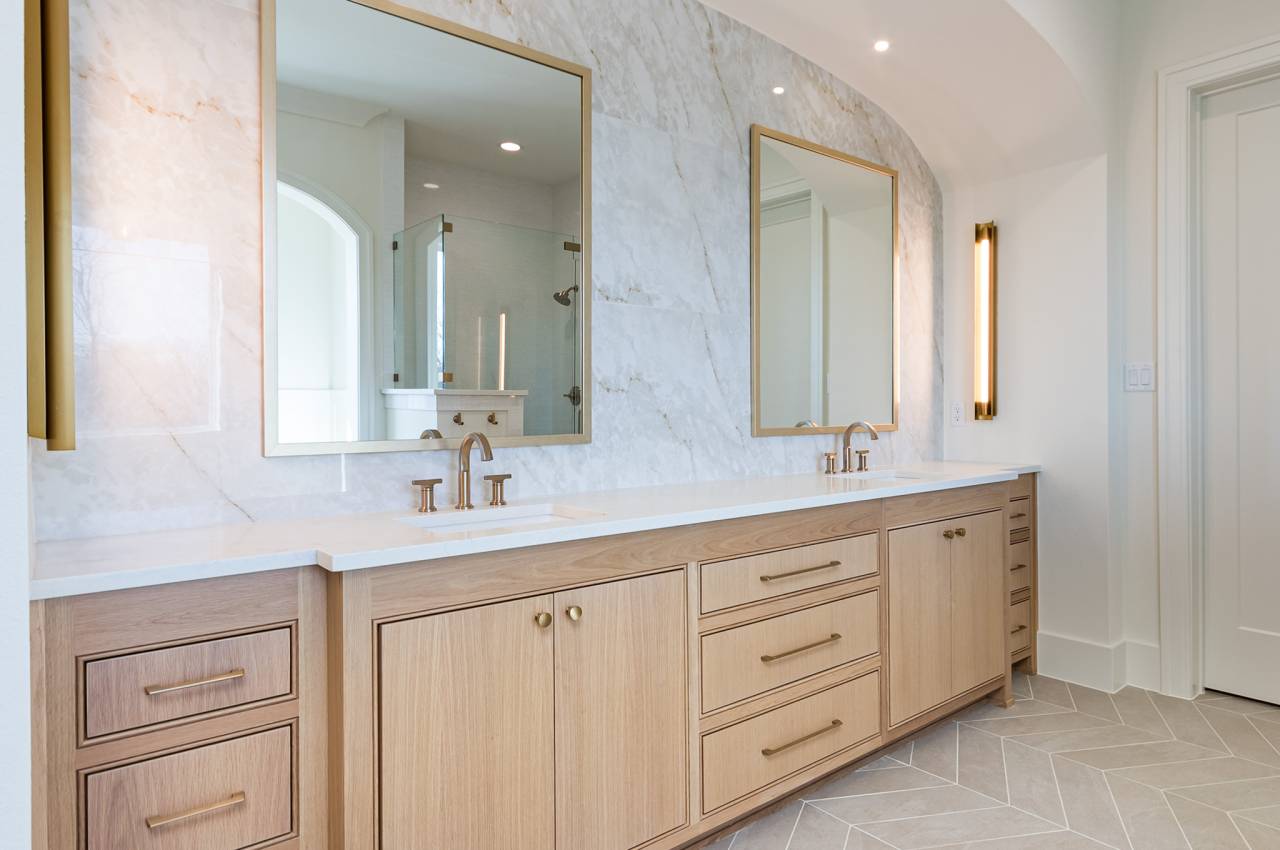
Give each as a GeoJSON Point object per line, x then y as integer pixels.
{"type": "Point", "coordinates": [984, 321]}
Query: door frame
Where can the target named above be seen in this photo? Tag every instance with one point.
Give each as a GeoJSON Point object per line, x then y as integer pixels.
{"type": "Point", "coordinates": [1179, 327]}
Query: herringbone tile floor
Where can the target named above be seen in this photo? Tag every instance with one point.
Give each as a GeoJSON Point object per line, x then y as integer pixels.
{"type": "Point", "coordinates": [1066, 767]}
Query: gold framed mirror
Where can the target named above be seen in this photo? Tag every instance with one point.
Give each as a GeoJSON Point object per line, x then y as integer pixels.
{"type": "Point", "coordinates": [824, 288]}
{"type": "Point", "coordinates": [426, 234]}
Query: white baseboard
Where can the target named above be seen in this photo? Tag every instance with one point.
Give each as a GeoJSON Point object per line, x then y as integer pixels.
{"type": "Point", "coordinates": [1104, 667]}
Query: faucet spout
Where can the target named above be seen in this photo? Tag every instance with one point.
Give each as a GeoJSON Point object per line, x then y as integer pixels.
{"type": "Point", "coordinates": [464, 466]}
{"type": "Point", "coordinates": [848, 433]}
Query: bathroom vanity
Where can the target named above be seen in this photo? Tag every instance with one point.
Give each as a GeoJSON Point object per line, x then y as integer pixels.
{"type": "Point", "coordinates": [616, 670]}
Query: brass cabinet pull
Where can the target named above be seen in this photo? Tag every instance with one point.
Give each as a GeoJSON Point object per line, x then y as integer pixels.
{"type": "Point", "coordinates": [1020, 567]}
{"type": "Point", "coordinates": [960, 532]}
{"type": "Point", "coordinates": [1018, 629]}
{"type": "Point", "coordinates": [157, 821]}
{"type": "Point", "coordinates": [828, 566]}
{"type": "Point", "coordinates": [949, 534]}
{"type": "Point", "coordinates": [1017, 516]}
{"type": "Point", "coordinates": [154, 690]}
{"type": "Point", "coordinates": [574, 612]}
{"type": "Point", "coordinates": [773, 751]}
{"type": "Point", "coordinates": [543, 619]}
{"type": "Point", "coordinates": [835, 636]}
{"type": "Point", "coordinates": [457, 419]}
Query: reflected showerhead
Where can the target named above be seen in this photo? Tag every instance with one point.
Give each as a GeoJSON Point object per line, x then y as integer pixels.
{"type": "Point", "coordinates": [562, 297]}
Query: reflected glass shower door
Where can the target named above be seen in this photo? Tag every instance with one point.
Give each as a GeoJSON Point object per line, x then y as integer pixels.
{"type": "Point", "coordinates": [419, 292]}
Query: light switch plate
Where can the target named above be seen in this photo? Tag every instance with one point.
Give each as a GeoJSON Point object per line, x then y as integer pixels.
{"type": "Point", "coordinates": [1139, 377]}
{"type": "Point", "coordinates": [957, 413]}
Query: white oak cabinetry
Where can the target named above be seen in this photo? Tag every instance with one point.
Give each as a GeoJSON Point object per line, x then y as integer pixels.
{"type": "Point", "coordinates": [638, 692]}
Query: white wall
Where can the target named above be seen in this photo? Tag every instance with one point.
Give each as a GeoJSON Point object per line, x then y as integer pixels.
{"type": "Point", "coordinates": [1052, 390]}
{"type": "Point", "coordinates": [15, 697]}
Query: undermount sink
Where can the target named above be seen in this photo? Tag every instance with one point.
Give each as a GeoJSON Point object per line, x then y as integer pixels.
{"type": "Point", "coordinates": [511, 517]}
{"type": "Point", "coordinates": [884, 475]}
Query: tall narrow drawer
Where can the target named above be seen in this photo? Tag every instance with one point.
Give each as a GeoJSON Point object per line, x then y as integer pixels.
{"type": "Point", "coordinates": [1019, 626]}
{"type": "Point", "coordinates": [223, 796]}
{"type": "Point", "coordinates": [747, 660]}
{"type": "Point", "coordinates": [1022, 485]}
{"type": "Point", "coordinates": [1020, 514]}
{"type": "Point", "coordinates": [756, 577]}
{"type": "Point", "coordinates": [132, 691]}
{"type": "Point", "coordinates": [1019, 565]}
{"type": "Point", "coordinates": [749, 755]}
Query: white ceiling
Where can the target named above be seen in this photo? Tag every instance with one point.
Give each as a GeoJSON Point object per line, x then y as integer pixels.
{"type": "Point", "coordinates": [459, 99]}
{"type": "Point", "coordinates": [980, 90]}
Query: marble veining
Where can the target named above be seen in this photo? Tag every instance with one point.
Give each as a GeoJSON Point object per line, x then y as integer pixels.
{"type": "Point", "coordinates": [167, 218]}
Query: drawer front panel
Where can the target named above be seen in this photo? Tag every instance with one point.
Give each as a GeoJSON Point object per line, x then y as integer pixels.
{"type": "Point", "coordinates": [747, 660]}
{"type": "Point", "coordinates": [1020, 514]}
{"type": "Point", "coordinates": [757, 577]}
{"type": "Point", "coordinates": [1019, 565]}
{"type": "Point", "coordinates": [1019, 626]}
{"type": "Point", "coordinates": [1022, 486]}
{"type": "Point", "coordinates": [749, 755]}
{"type": "Point", "coordinates": [132, 691]}
{"type": "Point", "coordinates": [223, 796]}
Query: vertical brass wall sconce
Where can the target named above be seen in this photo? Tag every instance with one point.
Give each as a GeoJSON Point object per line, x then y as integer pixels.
{"type": "Point", "coordinates": [51, 397]}
{"type": "Point", "coordinates": [984, 321]}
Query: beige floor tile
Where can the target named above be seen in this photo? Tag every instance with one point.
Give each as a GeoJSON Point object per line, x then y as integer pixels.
{"type": "Point", "coordinates": [1259, 837]}
{"type": "Point", "coordinates": [1186, 722]}
{"type": "Point", "coordinates": [1032, 784]}
{"type": "Point", "coordinates": [817, 830]}
{"type": "Point", "coordinates": [1137, 709]}
{"type": "Point", "coordinates": [880, 764]}
{"type": "Point", "coordinates": [1271, 716]}
{"type": "Point", "coordinates": [957, 828]}
{"type": "Point", "coordinates": [934, 751]}
{"type": "Point", "coordinates": [1206, 828]}
{"type": "Point", "coordinates": [1201, 772]}
{"type": "Point", "coordinates": [1270, 816]}
{"type": "Point", "coordinates": [1268, 730]}
{"type": "Point", "coordinates": [1087, 801]}
{"type": "Point", "coordinates": [1137, 755]}
{"type": "Point", "coordinates": [1093, 702]}
{"type": "Point", "coordinates": [1062, 840]}
{"type": "Point", "coordinates": [871, 808]}
{"type": "Point", "coordinates": [1021, 685]}
{"type": "Point", "coordinates": [1147, 818]}
{"type": "Point", "coordinates": [1233, 796]}
{"type": "Point", "coordinates": [722, 844]}
{"type": "Point", "coordinates": [1240, 705]}
{"type": "Point", "coordinates": [1240, 735]}
{"type": "Point", "coordinates": [858, 840]}
{"type": "Point", "coordinates": [1064, 722]}
{"type": "Point", "coordinates": [874, 782]}
{"type": "Point", "coordinates": [1087, 739]}
{"type": "Point", "coordinates": [1051, 690]}
{"type": "Point", "coordinates": [981, 763]}
{"type": "Point", "coordinates": [1022, 708]}
{"type": "Point", "coordinates": [901, 752]}
{"type": "Point", "coordinates": [772, 832]}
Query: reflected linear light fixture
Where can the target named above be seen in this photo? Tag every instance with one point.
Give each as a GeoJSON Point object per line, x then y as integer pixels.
{"type": "Point", "coordinates": [881, 46]}
{"type": "Point", "coordinates": [779, 90]}
{"type": "Point", "coordinates": [984, 320]}
{"type": "Point", "coordinates": [510, 147]}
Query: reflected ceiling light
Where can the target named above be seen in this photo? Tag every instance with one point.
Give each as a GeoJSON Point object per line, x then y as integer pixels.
{"type": "Point", "coordinates": [881, 46]}
{"type": "Point", "coordinates": [510, 147]}
{"type": "Point", "coordinates": [984, 321]}
{"type": "Point", "coordinates": [778, 90]}
{"type": "Point", "coordinates": [431, 185]}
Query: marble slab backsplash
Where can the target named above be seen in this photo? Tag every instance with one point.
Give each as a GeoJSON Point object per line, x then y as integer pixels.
{"type": "Point", "coordinates": [167, 224]}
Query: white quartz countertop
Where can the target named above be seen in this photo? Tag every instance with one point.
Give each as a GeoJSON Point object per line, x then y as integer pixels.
{"type": "Point", "coordinates": [361, 541]}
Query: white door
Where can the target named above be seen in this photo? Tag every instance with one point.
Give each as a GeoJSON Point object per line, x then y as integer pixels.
{"type": "Point", "coordinates": [1240, 264]}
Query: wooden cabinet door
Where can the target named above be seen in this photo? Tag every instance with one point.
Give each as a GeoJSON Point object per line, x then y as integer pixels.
{"type": "Point", "coordinates": [621, 713]}
{"type": "Point", "coordinates": [978, 600]}
{"type": "Point", "coordinates": [920, 615]}
{"type": "Point", "coordinates": [467, 724]}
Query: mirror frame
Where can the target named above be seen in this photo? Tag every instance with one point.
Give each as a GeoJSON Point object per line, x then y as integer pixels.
{"type": "Point", "coordinates": [759, 132]}
{"type": "Point", "coordinates": [271, 447]}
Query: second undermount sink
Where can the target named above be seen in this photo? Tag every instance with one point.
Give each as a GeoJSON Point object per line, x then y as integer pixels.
{"type": "Point", "coordinates": [884, 475]}
{"type": "Point", "coordinates": [508, 518]}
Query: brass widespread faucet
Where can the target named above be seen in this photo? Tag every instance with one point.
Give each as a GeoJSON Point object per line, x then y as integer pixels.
{"type": "Point", "coordinates": [464, 466]}
{"type": "Point", "coordinates": [862, 454]}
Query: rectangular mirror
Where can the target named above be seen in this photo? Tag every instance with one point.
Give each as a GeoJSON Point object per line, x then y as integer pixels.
{"type": "Point", "coordinates": [426, 218]}
{"type": "Point", "coordinates": [823, 288]}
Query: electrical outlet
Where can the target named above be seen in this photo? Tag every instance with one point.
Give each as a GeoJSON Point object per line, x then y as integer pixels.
{"type": "Point", "coordinates": [957, 413]}
{"type": "Point", "coordinates": [1139, 377]}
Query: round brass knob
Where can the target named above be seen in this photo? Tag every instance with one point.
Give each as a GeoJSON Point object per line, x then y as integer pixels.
{"type": "Point", "coordinates": [948, 534]}
{"type": "Point", "coordinates": [959, 532]}
{"type": "Point", "coordinates": [543, 619]}
{"type": "Point", "coordinates": [574, 612]}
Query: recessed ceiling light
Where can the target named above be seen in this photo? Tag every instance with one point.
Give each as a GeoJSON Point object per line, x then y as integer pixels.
{"type": "Point", "coordinates": [431, 185]}
{"type": "Point", "coordinates": [510, 147]}
{"type": "Point", "coordinates": [881, 46]}
{"type": "Point", "coordinates": [778, 90]}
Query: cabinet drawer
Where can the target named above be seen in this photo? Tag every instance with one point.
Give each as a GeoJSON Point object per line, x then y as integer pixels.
{"type": "Point", "coordinates": [749, 755]}
{"type": "Point", "coordinates": [1022, 486]}
{"type": "Point", "coordinates": [747, 660]}
{"type": "Point", "coordinates": [222, 796]}
{"type": "Point", "coordinates": [132, 691]}
{"type": "Point", "coordinates": [756, 577]}
{"type": "Point", "coordinates": [1020, 514]}
{"type": "Point", "coordinates": [1019, 565]}
{"type": "Point", "coordinates": [1019, 626]}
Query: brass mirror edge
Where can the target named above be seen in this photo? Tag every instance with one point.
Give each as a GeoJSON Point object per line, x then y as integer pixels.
{"type": "Point", "coordinates": [51, 391]}
{"type": "Point", "coordinates": [271, 447]}
{"type": "Point", "coordinates": [758, 132]}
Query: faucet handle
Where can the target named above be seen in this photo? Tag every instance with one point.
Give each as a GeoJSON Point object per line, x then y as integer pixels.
{"type": "Point", "coordinates": [497, 497]}
{"type": "Point", "coordinates": [830, 463]}
{"type": "Point", "coordinates": [863, 466]}
{"type": "Point", "coordinates": [427, 494]}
